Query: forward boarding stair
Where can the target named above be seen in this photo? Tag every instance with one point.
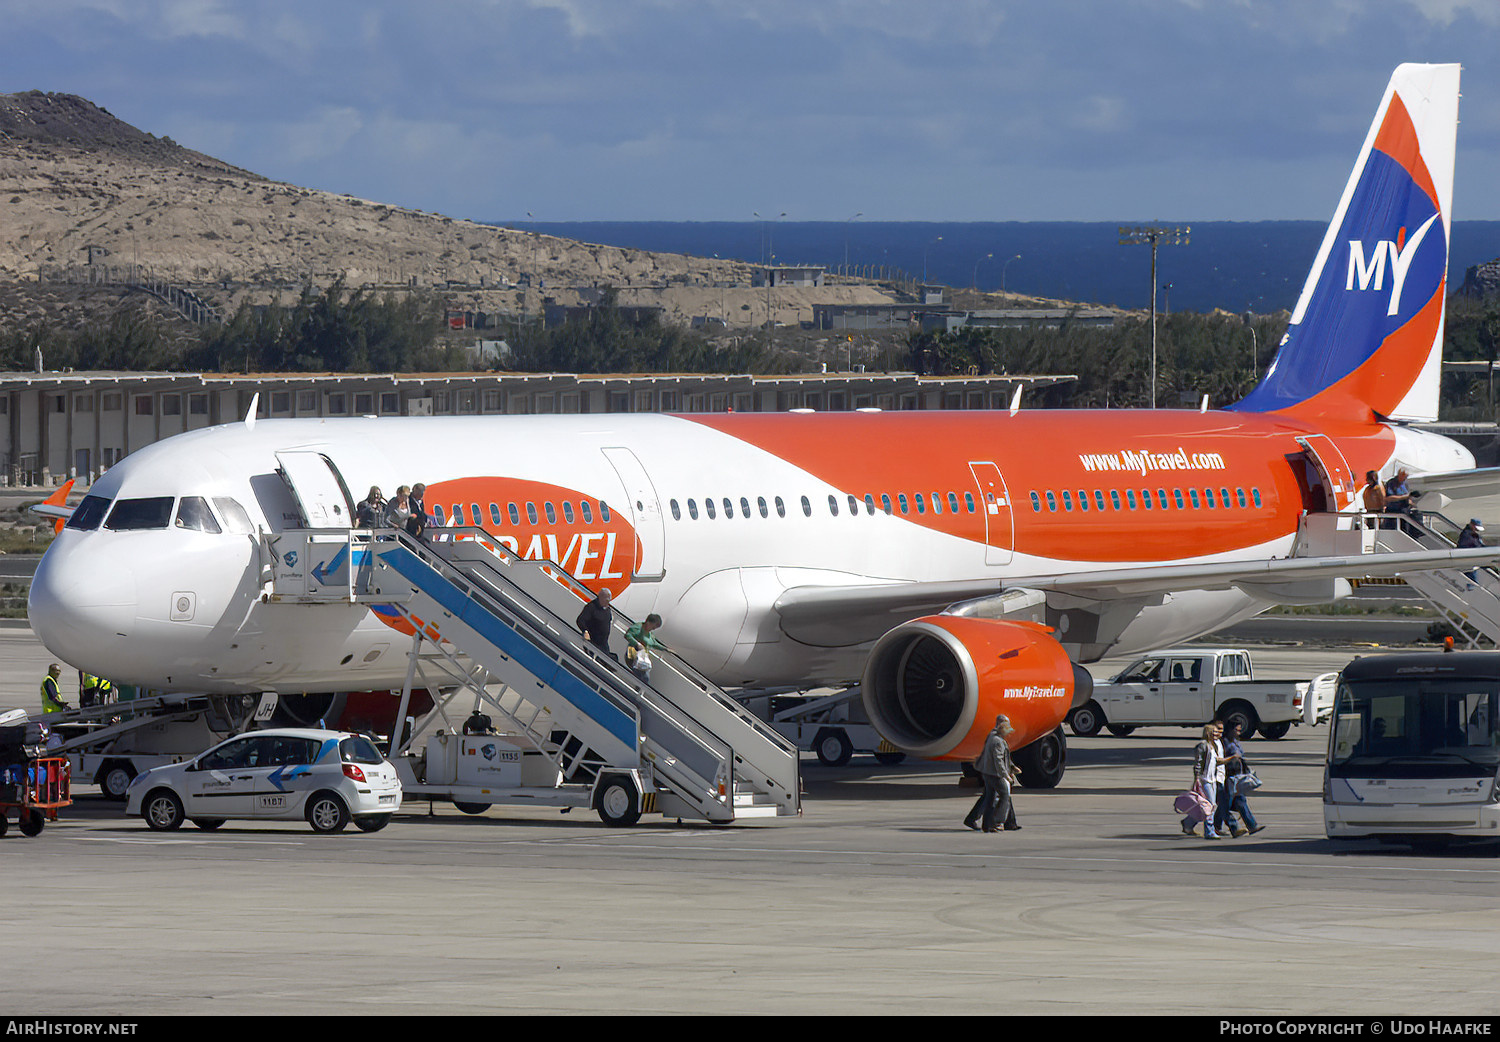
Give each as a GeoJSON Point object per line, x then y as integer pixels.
{"type": "Point", "coordinates": [1467, 598]}
{"type": "Point", "coordinates": [505, 628]}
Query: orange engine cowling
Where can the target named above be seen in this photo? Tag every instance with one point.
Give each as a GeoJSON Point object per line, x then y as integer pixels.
{"type": "Point", "coordinates": [933, 687]}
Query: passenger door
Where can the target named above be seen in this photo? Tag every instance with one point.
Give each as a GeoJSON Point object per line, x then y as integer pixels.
{"type": "Point", "coordinates": [999, 524]}
{"type": "Point", "coordinates": [220, 783]}
{"type": "Point", "coordinates": [322, 498]}
{"type": "Point", "coordinates": [1135, 696]}
{"type": "Point", "coordinates": [1186, 692]}
{"type": "Point", "coordinates": [645, 513]}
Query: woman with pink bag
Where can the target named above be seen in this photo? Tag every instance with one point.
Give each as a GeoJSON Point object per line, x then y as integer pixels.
{"type": "Point", "coordinates": [1208, 774]}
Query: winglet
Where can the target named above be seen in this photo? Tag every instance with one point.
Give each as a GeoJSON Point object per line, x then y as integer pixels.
{"type": "Point", "coordinates": [56, 506]}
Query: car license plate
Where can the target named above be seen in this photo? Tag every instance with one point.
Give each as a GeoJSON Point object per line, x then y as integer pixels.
{"type": "Point", "coordinates": [388, 799]}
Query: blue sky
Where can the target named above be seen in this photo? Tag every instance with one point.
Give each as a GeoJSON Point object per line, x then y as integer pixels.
{"type": "Point", "coordinates": [1128, 110]}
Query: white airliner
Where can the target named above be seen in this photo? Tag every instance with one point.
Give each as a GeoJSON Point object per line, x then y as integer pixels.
{"type": "Point", "coordinates": [958, 563]}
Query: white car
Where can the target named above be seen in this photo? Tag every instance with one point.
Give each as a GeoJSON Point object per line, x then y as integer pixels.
{"type": "Point", "coordinates": [327, 777]}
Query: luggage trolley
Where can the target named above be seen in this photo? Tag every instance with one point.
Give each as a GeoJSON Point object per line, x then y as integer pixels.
{"type": "Point", "coordinates": [34, 790]}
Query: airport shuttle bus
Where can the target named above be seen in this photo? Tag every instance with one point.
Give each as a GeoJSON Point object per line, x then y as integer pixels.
{"type": "Point", "coordinates": [1413, 752]}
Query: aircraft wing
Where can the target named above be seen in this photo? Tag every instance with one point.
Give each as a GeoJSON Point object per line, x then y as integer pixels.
{"type": "Point", "coordinates": [816, 613]}
{"type": "Point", "coordinates": [1457, 484]}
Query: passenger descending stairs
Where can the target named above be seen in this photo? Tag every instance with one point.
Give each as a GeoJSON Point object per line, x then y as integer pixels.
{"type": "Point", "coordinates": [1468, 599]}
{"type": "Point", "coordinates": [507, 623]}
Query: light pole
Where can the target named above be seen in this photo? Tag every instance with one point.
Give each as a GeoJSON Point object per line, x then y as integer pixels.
{"type": "Point", "coordinates": [981, 260]}
{"type": "Point", "coordinates": [931, 244]}
{"type": "Point", "coordinates": [846, 240]}
{"type": "Point", "coordinates": [1166, 298]}
{"type": "Point", "coordinates": [1156, 236]}
{"type": "Point", "coordinates": [1004, 268]}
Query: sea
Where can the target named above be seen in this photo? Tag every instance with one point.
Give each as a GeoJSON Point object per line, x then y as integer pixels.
{"type": "Point", "coordinates": [1236, 266]}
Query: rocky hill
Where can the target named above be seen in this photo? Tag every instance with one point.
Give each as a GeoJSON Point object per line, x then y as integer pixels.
{"type": "Point", "coordinates": [77, 182]}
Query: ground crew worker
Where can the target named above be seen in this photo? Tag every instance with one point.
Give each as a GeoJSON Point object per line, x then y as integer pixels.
{"type": "Point", "coordinates": [51, 697]}
{"type": "Point", "coordinates": [88, 690]}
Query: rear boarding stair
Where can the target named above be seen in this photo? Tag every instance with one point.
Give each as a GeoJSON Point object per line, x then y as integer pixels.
{"type": "Point", "coordinates": [577, 728]}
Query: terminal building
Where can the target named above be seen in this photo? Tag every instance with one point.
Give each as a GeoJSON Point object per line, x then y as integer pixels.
{"type": "Point", "coordinates": [56, 426]}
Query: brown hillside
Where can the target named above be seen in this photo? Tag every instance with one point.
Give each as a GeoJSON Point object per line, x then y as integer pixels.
{"type": "Point", "coordinates": [73, 177]}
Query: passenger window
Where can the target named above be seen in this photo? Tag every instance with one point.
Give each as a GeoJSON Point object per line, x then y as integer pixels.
{"type": "Point", "coordinates": [728, 507]}
{"type": "Point", "coordinates": [919, 499]}
{"type": "Point", "coordinates": [676, 512]}
{"type": "Point", "coordinates": [531, 514]}
{"type": "Point", "coordinates": [1051, 502]}
{"type": "Point", "coordinates": [458, 515]}
{"type": "Point", "coordinates": [568, 510]}
{"type": "Point", "coordinates": [513, 513]}
{"type": "Point", "coordinates": [1177, 495]}
{"type": "Point", "coordinates": [1193, 495]}
{"type": "Point", "coordinates": [760, 503]}
{"type": "Point", "coordinates": [693, 509]}
{"type": "Point", "coordinates": [1161, 498]}
{"type": "Point", "coordinates": [495, 514]}
{"type": "Point", "coordinates": [1083, 500]}
{"type": "Point", "coordinates": [1146, 498]}
{"type": "Point", "coordinates": [1130, 497]}
{"type": "Point", "coordinates": [1208, 498]}
{"type": "Point", "coordinates": [1255, 496]}
{"type": "Point", "coordinates": [1098, 499]}
{"type": "Point", "coordinates": [1067, 498]}
{"type": "Point", "coordinates": [869, 503]}
{"type": "Point", "coordinates": [781, 507]}
{"type": "Point", "coordinates": [133, 515]}
{"type": "Point", "coordinates": [969, 502]}
{"type": "Point", "coordinates": [475, 517]}
{"type": "Point", "coordinates": [88, 514]}
{"type": "Point", "coordinates": [1239, 495]}
{"type": "Point", "coordinates": [193, 513]}
{"type": "Point", "coordinates": [708, 506]}
{"type": "Point", "coordinates": [806, 507]}
{"type": "Point", "coordinates": [604, 511]}
{"type": "Point", "coordinates": [833, 506]}
{"type": "Point", "coordinates": [1114, 498]}
{"type": "Point", "coordinates": [853, 505]}
{"type": "Point", "coordinates": [1224, 498]}
{"type": "Point", "coordinates": [235, 518]}
{"type": "Point", "coordinates": [440, 514]}
{"type": "Point", "coordinates": [885, 502]}
{"type": "Point", "coordinates": [953, 502]}
{"type": "Point", "coordinates": [937, 502]}
{"type": "Point", "coordinates": [587, 511]}
{"type": "Point", "coordinates": [1036, 502]}
{"type": "Point", "coordinates": [901, 499]}
{"type": "Point", "coordinates": [744, 508]}
{"type": "Point", "coordinates": [551, 513]}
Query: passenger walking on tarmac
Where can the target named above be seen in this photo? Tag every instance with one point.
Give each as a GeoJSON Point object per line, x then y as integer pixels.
{"type": "Point", "coordinates": [51, 697]}
{"type": "Point", "coordinates": [641, 641]}
{"type": "Point", "coordinates": [371, 510]}
{"type": "Point", "coordinates": [996, 771]}
{"type": "Point", "coordinates": [1207, 773]}
{"type": "Point", "coordinates": [595, 620]}
{"type": "Point", "coordinates": [1235, 770]}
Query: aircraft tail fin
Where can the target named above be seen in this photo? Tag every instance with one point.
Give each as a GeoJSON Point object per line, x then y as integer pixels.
{"type": "Point", "coordinates": [1366, 337]}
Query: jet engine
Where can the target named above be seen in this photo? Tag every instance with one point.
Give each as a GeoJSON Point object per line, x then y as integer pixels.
{"type": "Point", "coordinates": [933, 686]}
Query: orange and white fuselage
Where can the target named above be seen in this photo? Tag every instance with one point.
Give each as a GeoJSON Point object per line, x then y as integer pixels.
{"type": "Point", "coordinates": [782, 548]}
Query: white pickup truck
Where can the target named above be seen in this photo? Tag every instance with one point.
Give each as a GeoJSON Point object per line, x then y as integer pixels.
{"type": "Point", "coordinates": [1191, 686]}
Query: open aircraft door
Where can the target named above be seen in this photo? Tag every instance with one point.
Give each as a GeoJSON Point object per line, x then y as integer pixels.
{"type": "Point", "coordinates": [645, 514]}
{"type": "Point", "coordinates": [1332, 470]}
{"type": "Point", "coordinates": [318, 488]}
{"type": "Point", "coordinates": [999, 525]}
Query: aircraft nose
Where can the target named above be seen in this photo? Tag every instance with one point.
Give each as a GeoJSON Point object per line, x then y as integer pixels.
{"type": "Point", "coordinates": [82, 606]}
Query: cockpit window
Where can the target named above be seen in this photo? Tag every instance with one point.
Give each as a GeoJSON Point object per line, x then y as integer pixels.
{"type": "Point", "coordinates": [235, 518]}
{"type": "Point", "coordinates": [131, 515]}
{"type": "Point", "coordinates": [89, 513]}
{"type": "Point", "coordinates": [193, 513]}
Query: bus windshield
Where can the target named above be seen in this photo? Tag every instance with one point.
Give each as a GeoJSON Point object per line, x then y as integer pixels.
{"type": "Point", "coordinates": [1416, 727]}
